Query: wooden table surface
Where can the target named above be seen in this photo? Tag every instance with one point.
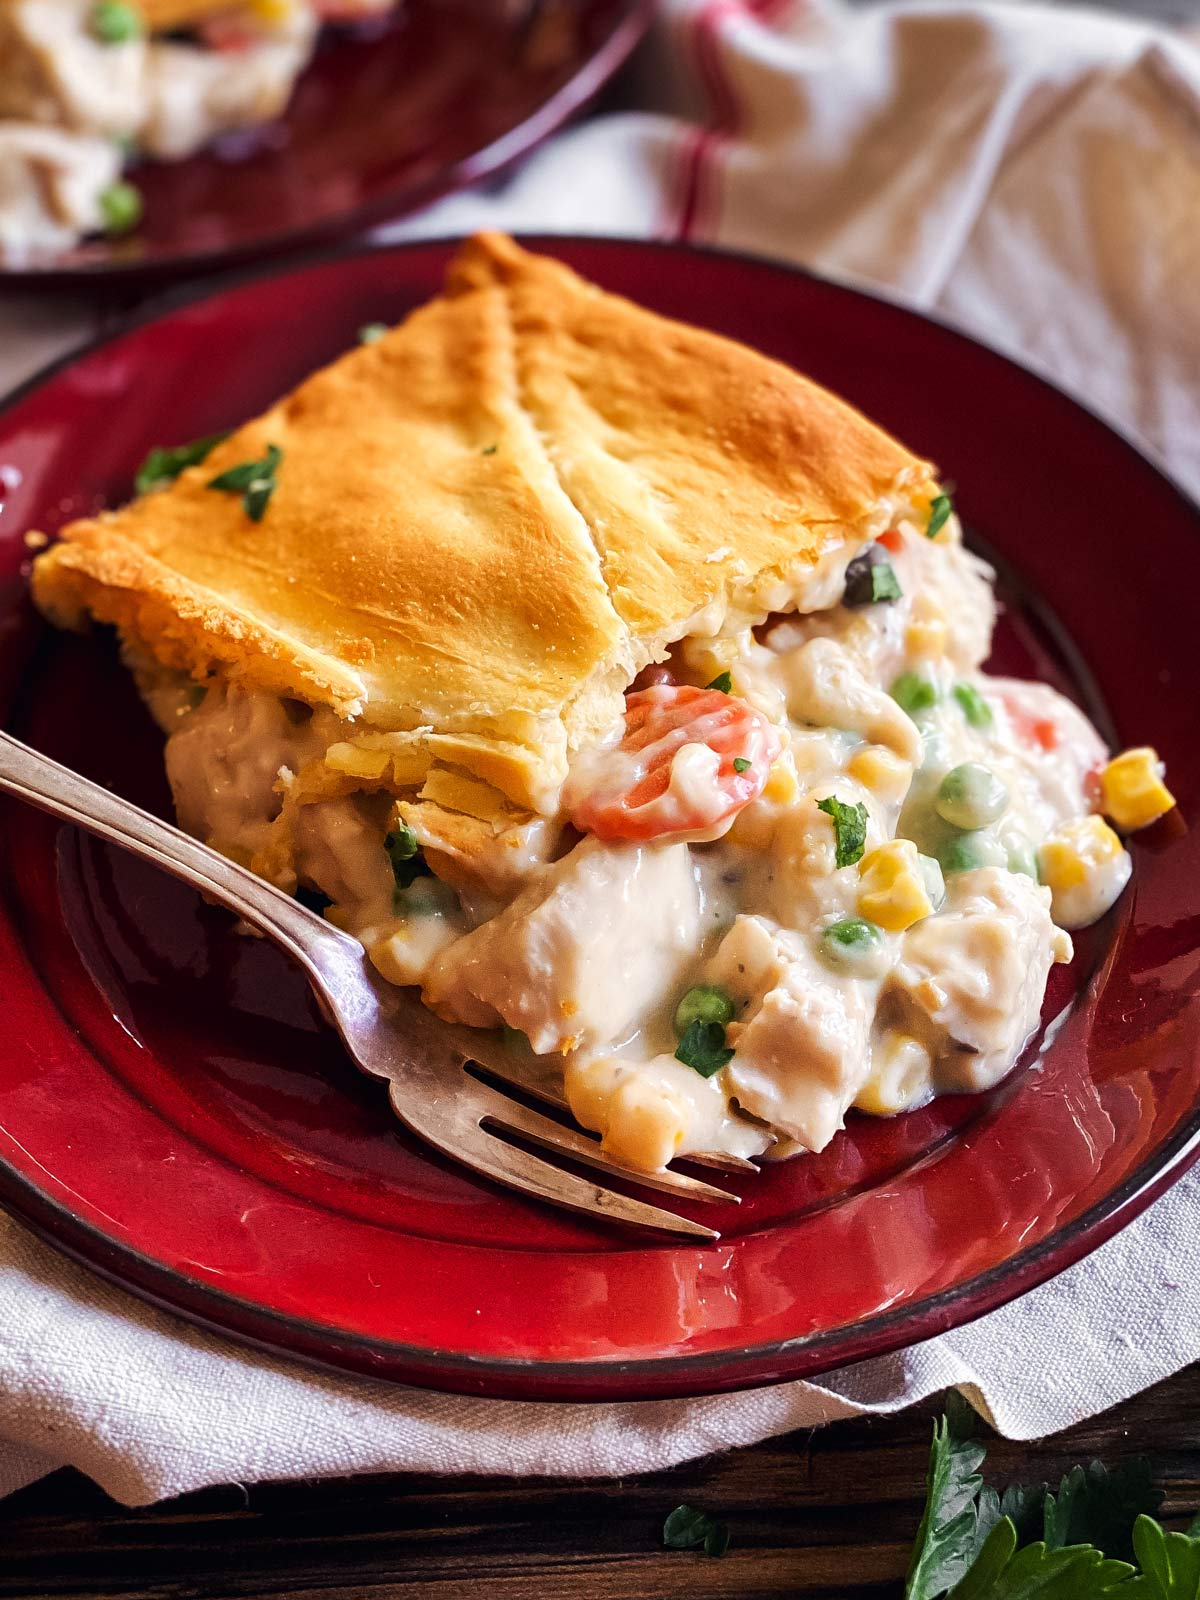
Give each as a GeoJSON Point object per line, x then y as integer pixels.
{"type": "Point", "coordinates": [822, 1513]}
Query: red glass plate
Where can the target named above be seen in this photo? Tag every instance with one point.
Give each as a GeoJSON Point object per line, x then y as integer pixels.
{"type": "Point", "coordinates": [173, 1112]}
{"type": "Point", "coordinates": [385, 119]}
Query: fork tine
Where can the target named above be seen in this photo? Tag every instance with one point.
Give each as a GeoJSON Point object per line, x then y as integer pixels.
{"type": "Point", "coordinates": [482, 1151]}
{"type": "Point", "coordinates": [725, 1163]}
{"type": "Point", "coordinates": [576, 1146]}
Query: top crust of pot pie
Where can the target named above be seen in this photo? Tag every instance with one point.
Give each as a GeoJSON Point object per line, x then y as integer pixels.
{"type": "Point", "coordinates": [487, 521]}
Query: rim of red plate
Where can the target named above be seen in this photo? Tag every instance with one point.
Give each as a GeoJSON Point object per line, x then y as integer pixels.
{"type": "Point", "coordinates": [806, 1356]}
{"type": "Point", "coordinates": [591, 76]}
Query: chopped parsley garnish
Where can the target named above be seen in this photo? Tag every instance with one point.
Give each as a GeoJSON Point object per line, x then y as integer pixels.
{"type": "Point", "coordinates": [722, 682]}
{"type": "Point", "coordinates": [114, 22]}
{"type": "Point", "coordinates": [941, 509]}
{"type": "Point", "coordinates": [849, 828]}
{"type": "Point", "coordinates": [870, 578]}
{"type": "Point", "coordinates": [703, 1048]}
{"type": "Point", "coordinates": [689, 1529]}
{"type": "Point", "coordinates": [372, 332]}
{"type": "Point", "coordinates": [253, 480]}
{"type": "Point", "coordinates": [489, 450]}
{"type": "Point", "coordinates": [974, 707]}
{"type": "Point", "coordinates": [164, 464]}
{"type": "Point", "coordinates": [404, 852]}
{"type": "Point", "coordinates": [740, 764]}
{"type": "Point", "coordinates": [913, 692]}
{"type": "Point", "coordinates": [120, 208]}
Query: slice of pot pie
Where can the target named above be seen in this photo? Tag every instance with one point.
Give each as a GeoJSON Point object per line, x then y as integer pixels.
{"type": "Point", "coordinates": [621, 688]}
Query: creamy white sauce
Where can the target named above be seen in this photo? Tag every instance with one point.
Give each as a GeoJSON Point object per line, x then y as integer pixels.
{"type": "Point", "coordinates": [588, 948]}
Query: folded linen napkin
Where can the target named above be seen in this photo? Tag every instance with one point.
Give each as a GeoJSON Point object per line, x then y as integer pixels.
{"type": "Point", "coordinates": [1031, 172]}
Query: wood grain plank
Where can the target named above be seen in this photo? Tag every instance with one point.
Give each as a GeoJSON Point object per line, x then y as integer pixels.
{"type": "Point", "coordinates": [820, 1515]}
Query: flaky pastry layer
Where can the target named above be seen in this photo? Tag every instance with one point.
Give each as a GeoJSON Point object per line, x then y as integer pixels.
{"type": "Point", "coordinates": [487, 521]}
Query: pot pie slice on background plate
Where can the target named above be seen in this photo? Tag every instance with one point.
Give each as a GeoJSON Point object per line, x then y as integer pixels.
{"type": "Point", "coordinates": [148, 136]}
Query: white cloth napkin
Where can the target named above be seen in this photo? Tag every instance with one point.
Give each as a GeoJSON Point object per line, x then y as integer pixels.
{"type": "Point", "coordinates": [1031, 172]}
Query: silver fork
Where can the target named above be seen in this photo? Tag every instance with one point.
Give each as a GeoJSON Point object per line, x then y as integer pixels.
{"type": "Point", "coordinates": [426, 1063]}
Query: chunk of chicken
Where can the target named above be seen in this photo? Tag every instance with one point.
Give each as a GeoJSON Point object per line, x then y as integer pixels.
{"type": "Point", "coordinates": [977, 973]}
{"type": "Point", "coordinates": [50, 184]}
{"type": "Point", "coordinates": [600, 939]}
{"type": "Point", "coordinates": [827, 688]}
{"type": "Point", "coordinates": [801, 1045]}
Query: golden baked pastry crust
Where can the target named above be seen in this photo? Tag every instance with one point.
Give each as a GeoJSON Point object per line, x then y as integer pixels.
{"type": "Point", "coordinates": [488, 520]}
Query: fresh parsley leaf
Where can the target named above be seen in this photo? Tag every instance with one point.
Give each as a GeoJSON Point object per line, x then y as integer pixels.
{"type": "Point", "coordinates": [940, 511]}
{"type": "Point", "coordinates": [1169, 1562]}
{"type": "Point", "coordinates": [372, 332]}
{"type": "Point", "coordinates": [489, 450]}
{"type": "Point", "coordinates": [716, 1540]}
{"type": "Point", "coordinates": [869, 579]}
{"type": "Point", "coordinates": [689, 1529]}
{"type": "Point", "coordinates": [164, 464]}
{"type": "Point", "coordinates": [1095, 1506]}
{"type": "Point", "coordinates": [405, 855]}
{"type": "Point", "coordinates": [740, 764]}
{"type": "Point", "coordinates": [703, 1048]}
{"type": "Point", "coordinates": [849, 828]}
{"type": "Point", "coordinates": [945, 1544]}
{"type": "Point", "coordinates": [1077, 1572]}
{"type": "Point", "coordinates": [1024, 1506]}
{"type": "Point", "coordinates": [723, 681]}
{"type": "Point", "coordinates": [253, 480]}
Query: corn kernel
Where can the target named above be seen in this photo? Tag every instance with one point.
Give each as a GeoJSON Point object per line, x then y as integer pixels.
{"type": "Point", "coordinates": [892, 891]}
{"type": "Point", "coordinates": [1132, 790]}
{"type": "Point", "coordinates": [781, 786]}
{"type": "Point", "coordinates": [1085, 866]}
{"type": "Point", "coordinates": [900, 1076]}
{"type": "Point", "coordinates": [1068, 857]}
{"type": "Point", "coordinates": [880, 770]}
{"type": "Point", "coordinates": [926, 638]}
{"type": "Point", "coordinates": [272, 11]}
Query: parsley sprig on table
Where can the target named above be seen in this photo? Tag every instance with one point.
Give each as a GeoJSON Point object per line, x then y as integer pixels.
{"type": "Point", "coordinates": [1094, 1537]}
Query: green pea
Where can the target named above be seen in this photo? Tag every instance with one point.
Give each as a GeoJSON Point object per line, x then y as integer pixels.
{"type": "Point", "coordinates": [114, 22]}
{"type": "Point", "coordinates": [963, 852]}
{"type": "Point", "coordinates": [974, 707]}
{"type": "Point", "coordinates": [120, 208]}
{"type": "Point", "coordinates": [1022, 859]}
{"type": "Point", "coordinates": [706, 1003]}
{"type": "Point", "coordinates": [913, 692]}
{"type": "Point", "coordinates": [970, 796]}
{"type": "Point", "coordinates": [852, 942]}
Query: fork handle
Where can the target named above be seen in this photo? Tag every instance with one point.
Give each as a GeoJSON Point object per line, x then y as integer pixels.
{"type": "Point", "coordinates": [315, 943]}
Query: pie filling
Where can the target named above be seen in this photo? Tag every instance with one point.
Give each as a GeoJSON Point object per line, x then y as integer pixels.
{"type": "Point", "coordinates": [822, 863]}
